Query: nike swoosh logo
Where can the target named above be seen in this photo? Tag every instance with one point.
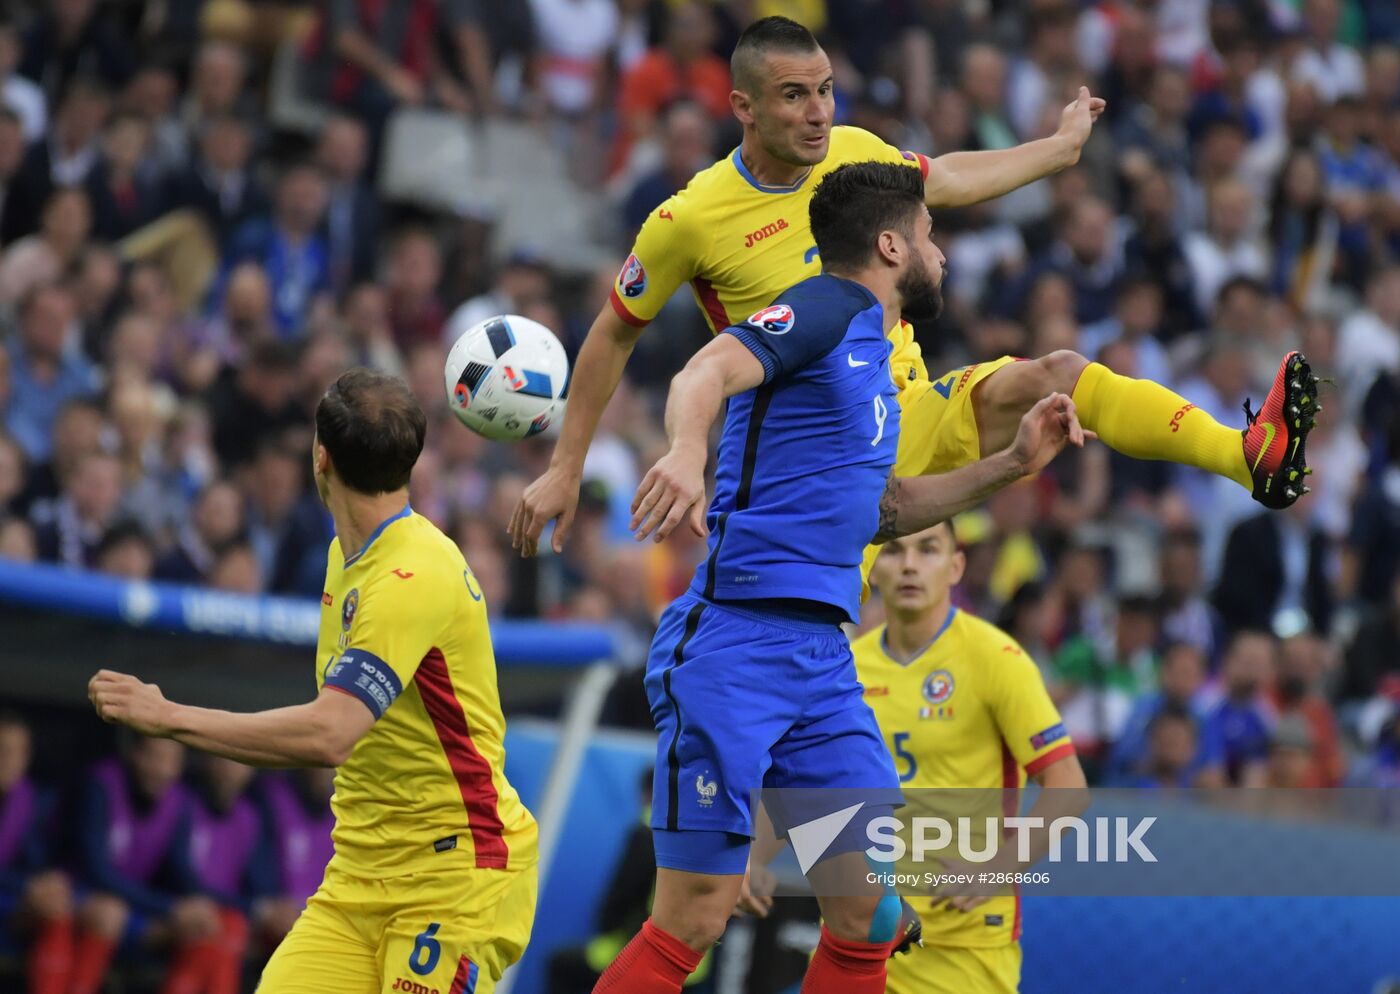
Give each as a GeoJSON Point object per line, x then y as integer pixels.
{"type": "Point", "coordinates": [851, 358]}
{"type": "Point", "coordinates": [1293, 451]}
{"type": "Point", "coordinates": [1269, 431]}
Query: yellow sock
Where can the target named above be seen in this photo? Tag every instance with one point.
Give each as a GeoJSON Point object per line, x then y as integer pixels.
{"type": "Point", "coordinates": [1145, 420]}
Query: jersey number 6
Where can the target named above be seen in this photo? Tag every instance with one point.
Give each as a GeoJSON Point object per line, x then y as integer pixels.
{"type": "Point", "coordinates": [426, 951]}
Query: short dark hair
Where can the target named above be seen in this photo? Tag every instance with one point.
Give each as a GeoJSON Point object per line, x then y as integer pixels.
{"type": "Point", "coordinates": [767, 34]}
{"type": "Point", "coordinates": [1171, 713]}
{"type": "Point", "coordinates": [856, 202]}
{"type": "Point", "coordinates": [372, 427]}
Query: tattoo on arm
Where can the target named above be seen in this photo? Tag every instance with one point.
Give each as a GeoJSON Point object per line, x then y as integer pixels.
{"type": "Point", "coordinates": [889, 504]}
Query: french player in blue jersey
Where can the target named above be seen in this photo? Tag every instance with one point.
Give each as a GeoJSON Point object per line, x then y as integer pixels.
{"type": "Point", "coordinates": [750, 677]}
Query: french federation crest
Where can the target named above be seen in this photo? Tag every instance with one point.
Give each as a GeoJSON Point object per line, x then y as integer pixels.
{"type": "Point", "coordinates": [776, 319]}
{"type": "Point", "coordinates": [938, 687]}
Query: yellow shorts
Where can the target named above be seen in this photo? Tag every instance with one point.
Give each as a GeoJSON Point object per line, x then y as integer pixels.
{"type": "Point", "coordinates": [937, 429]}
{"type": "Point", "coordinates": [956, 970]}
{"type": "Point", "coordinates": [448, 931]}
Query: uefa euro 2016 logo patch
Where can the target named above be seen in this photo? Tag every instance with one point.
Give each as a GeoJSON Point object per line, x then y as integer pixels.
{"type": "Point", "coordinates": [632, 281]}
{"type": "Point", "coordinates": [938, 687]}
{"type": "Point", "coordinates": [776, 319]}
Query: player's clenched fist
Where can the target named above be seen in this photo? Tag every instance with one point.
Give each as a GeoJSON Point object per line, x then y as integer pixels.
{"type": "Point", "coordinates": [672, 489]}
{"type": "Point", "coordinates": [122, 699]}
{"type": "Point", "coordinates": [553, 495]}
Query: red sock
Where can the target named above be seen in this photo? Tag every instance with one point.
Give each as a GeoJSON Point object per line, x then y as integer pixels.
{"type": "Point", "coordinates": [192, 966]}
{"type": "Point", "coordinates": [227, 978]}
{"type": "Point", "coordinates": [50, 959]}
{"type": "Point", "coordinates": [842, 967]}
{"type": "Point", "coordinates": [654, 962]}
{"type": "Point", "coordinates": [91, 955]}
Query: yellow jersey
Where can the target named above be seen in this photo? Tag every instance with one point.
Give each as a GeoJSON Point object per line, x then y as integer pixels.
{"type": "Point", "coordinates": [970, 711]}
{"type": "Point", "coordinates": [404, 630]}
{"type": "Point", "coordinates": [739, 244]}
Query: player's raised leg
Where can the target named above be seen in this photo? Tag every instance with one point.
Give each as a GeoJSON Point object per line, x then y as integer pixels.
{"type": "Point", "coordinates": [1145, 420]}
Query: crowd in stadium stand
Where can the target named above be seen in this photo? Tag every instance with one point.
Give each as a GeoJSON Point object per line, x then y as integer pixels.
{"type": "Point", "coordinates": [181, 278]}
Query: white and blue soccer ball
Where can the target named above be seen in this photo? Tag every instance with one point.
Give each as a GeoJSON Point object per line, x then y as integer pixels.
{"type": "Point", "coordinates": [505, 378]}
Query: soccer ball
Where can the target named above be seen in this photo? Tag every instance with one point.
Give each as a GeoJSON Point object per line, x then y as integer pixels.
{"type": "Point", "coordinates": [505, 377]}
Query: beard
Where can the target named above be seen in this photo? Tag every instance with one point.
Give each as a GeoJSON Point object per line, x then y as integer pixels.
{"type": "Point", "coordinates": [921, 297]}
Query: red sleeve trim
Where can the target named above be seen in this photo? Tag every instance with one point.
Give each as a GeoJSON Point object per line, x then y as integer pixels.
{"type": "Point", "coordinates": [1053, 756]}
{"type": "Point", "coordinates": [919, 159]}
{"type": "Point", "coordinates": [622, 311]}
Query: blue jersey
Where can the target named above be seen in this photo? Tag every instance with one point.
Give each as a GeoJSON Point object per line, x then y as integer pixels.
{"type": "Point", "coordinates": [805, 456]}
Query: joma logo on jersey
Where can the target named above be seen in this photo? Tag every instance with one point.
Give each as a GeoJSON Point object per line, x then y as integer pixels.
{"type": "Point", "coordinates": [1176, 418]}
{"type": "Point", "coordinates": [768, 229]}
{"type": "Point", "coordinates": [412, 986]}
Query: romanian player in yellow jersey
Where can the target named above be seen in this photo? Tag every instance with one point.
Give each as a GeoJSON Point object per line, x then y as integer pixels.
{"type": "Point", "coordinates": [739, 235]}
{"type": "Point", "coordinates": [960, 704]}
{"type": "Point", "coordinates": [432, 885]}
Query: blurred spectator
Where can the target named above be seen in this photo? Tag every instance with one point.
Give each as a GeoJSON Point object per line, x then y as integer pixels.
{"type": "Point", "coordinates": [573, 38]}
{"type": "Point", "coordinates": [1371, 657]}
{"type": "Point", "coordinates": [1154, 249]}
{"type": "Point", "coordinates": [38, 897]}
{"type": "Point", "coordinates": [64, 158]}
{"type": "Point", "coordinates": [369, 57]}
{"type": "Point", "coordinates": [219, 181]}
{"type": "Point", "coordinates": [218, 82]}
{"type": "Point", "coordinates": [154, 93]}
{"type": "Point", "coordinates": [1277, 569]}
{"type": "Point", "coordinates": [351, 226]}
{"type": "Point", "coordinates": [1303, 666]}
{"type": "Point", "coordinates": [1183, 690]}
{"type": "Point", "coordinates": [1038, 78]}
{"type": "Point", "coordinates": [365, 319]}
{"type": "Point", "coordinates": [1332, 68]}
{"type": "Point", "coordinates": [521, 280]}
{"type": "Point", "coordinates": [20, 95]}
{"type": "Point", "coordinates": [133, 831]}
{"type": "Point", "coordinates": [487, 40]}
{"type": "Point", "coordinates": [1187, 615]}
{"type": "Point", "coordinates": [1154, 134]}
{"type": "Point", "coordinates": [682, 67]}
{"type": "Point", "coordinates": [1172, 745]}
{"type": "Point", "coordinates": [217, 520]}
{"type": "Point", "coordinates": [275, 483]}
{"type": "Point", "coordinates": [1292, 755]}
{"type": "Point", "coordinates": [1135, 324]}
{"type": "Point", "coordinates": [244, 322]}
{"type": "Point", "coordinates": [1368, 341]}
{"type": "Point", "coordinates": [687, 146]}
{"type": "Point", "coordinates": [45, 371]}
{"type": "Point", "coordinates": [124, 192]}
{"type": "Point", "coordinates": [17, 542]}
{"type": "Point", "coordinates": [297, 809]}
{"type": "Point", "coordinates": [78, 431]}
{"type": "Point", "coordinates": [225, 839]}
{"type": "Point", "coordinates": [290, 247]}
{"type": "Point", "coordinates": [11, 156]}
{"type": "Point", "coordinates": [416, 314]}
{"type": "Point", "coordinates": [1096, 685]}
{"type": "Point", "coordinates": [13, 475]}
{"type": "Point", "coordinates": [125, 551]}
{"type": "Point", "coordinates": [1302, 230]}
{"type": "Point", "coordinates": [44, 257]}
{"type": "Point", "coordinates": [254, 401]}
{"type": "Point", "coordinates": [1225, 249]}
{"type": "Point", "coordinates": [70, 38]}
{"type": "Point", "coordinates": [235, 570]}
{"type": "Point", "coordinates": [1241, 719]}
{"type": "Point", "coordinates": [1089, 256]}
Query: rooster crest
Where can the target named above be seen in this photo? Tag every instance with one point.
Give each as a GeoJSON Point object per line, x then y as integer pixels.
{"type": "Point", "coordinates": [707, 791]}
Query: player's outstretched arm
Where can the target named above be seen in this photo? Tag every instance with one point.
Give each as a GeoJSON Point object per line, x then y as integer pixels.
{"type": "Point", "coordinates": [912, 503]}
{"type": "Point", "coordinates": [961, 178]}
{"type": "Point", "coordinates": [321, 732]}
{"type": "Point", "coordinates": [597, 371]}
{"type": "Point", "coordinates": [675, 486]}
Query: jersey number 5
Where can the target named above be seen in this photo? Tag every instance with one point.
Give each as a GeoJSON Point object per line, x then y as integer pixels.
{"type": "Point", "coordinates": [900, 753]}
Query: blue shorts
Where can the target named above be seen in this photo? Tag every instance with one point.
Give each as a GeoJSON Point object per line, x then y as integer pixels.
{"type": "Point", "coordinates": [744, 701]}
